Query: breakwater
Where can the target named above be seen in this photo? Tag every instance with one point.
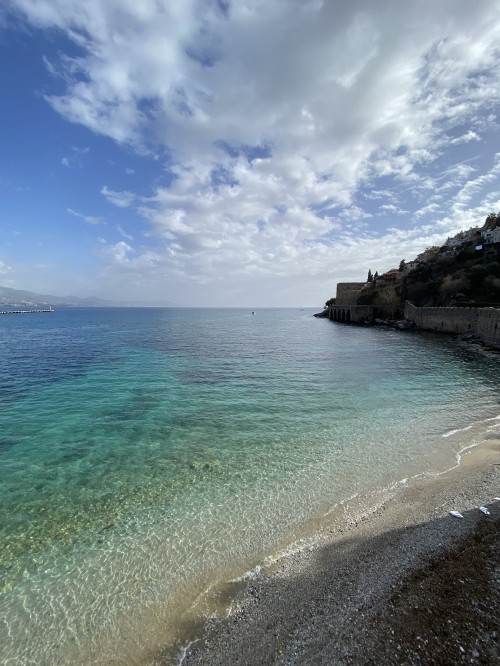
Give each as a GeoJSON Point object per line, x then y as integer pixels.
{"type": "Point", "coordinates": [25, 311]}
{"type": "Point", "coordinates": [484, 322]}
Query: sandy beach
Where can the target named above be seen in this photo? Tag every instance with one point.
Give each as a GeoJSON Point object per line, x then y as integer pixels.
{"type": "Point", "coordinates": [406, 583]}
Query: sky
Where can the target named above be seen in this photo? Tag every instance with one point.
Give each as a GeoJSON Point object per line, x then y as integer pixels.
{"type": "Point", "coordinates": [240, 152]}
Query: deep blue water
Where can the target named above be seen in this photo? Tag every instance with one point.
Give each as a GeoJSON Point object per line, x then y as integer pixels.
{"type": "Point", "coordinates": [146, 453]}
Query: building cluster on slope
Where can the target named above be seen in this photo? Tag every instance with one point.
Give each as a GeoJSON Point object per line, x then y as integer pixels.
{"type": "Point", "coordinates": [459, 258]}
{"type": "Point", "coordinates": [479, 238]}
{"type": "Point", "coordinates": [460, 280]}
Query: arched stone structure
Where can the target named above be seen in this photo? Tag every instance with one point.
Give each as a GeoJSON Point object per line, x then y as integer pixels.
{"type": "Point", "coordinates": [352, 314]}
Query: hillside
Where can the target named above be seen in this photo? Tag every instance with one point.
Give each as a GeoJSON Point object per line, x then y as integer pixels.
{"type": "Point", "coordinates": [13, 298]}
{"type": "Point", "coordinates": [465, 271]}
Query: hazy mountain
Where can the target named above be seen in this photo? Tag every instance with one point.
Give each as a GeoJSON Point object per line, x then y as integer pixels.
{"type": "Point", "coordinates": [18, 297]}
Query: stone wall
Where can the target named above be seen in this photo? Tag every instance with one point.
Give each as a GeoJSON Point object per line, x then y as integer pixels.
{"type": "Point", "coordinates": [488, 324]}
{"type": "Point", "coordinates": [348, 292]}
{"type": "Point", "coordinates": [351, 314]}
{"type": "Point", "coordinates": [484, 322]}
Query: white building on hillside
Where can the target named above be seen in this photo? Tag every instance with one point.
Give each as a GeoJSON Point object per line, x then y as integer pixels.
{"type": "Point", "coordinates": [453, 242]}
{"type": "Point", "coordinates": [491, 236]}
{"type": "Point", "coordinates": [410, 266]}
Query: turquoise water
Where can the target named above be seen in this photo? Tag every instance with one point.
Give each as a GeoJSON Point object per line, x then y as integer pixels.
{"type": "Point", "coordinates": [147, 455]}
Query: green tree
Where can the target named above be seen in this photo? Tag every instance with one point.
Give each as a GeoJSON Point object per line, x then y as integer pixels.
{"type": "Point", "coordinates": [370, 276]}
{"type": "Point", "coordinates": [492, 221]}
{"type": "Point", "coordinates": [402, 265]}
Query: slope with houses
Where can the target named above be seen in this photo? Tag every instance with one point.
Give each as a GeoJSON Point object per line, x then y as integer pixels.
{"type": "Point", "coordinates": [454, 288]}
{"type": "Point", "coordinates": [464, 271]}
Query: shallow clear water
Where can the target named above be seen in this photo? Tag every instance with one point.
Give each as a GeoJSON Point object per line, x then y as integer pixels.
{"type": "Point", "coordinates": [147, 454]}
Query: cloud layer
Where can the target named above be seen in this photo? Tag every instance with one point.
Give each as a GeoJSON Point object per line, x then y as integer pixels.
{"type": "Point", "coordinates": [299, 143]}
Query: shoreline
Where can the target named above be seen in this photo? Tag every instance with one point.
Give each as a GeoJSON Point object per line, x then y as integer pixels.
{"type": "Point", "coordinates": [328, 601]}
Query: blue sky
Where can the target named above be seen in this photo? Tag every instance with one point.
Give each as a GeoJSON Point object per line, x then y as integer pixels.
{"type": "Point", "coordinates": [240, 153]}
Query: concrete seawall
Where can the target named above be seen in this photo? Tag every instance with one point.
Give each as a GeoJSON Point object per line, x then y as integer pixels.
{"type": "Point", "coordinates": [484, 322]}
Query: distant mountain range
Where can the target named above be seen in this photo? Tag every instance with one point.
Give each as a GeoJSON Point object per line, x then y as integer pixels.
{"type": "Point", "coordinates": [20, 298]}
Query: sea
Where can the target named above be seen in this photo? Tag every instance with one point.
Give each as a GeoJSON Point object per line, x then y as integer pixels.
{"type": "Point", "coordinates": [152, 458]}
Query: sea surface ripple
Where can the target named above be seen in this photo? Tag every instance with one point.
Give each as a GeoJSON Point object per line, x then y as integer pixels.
{"type": "Point", "coordinates": [148, 455]}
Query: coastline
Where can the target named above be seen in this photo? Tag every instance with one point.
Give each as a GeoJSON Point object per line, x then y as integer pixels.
{"type": "Point", "coordinates": [404, 583]}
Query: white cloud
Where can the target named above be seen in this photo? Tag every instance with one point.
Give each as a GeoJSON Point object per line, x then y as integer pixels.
{"type": "Point", "coordinates": [13, 186]}
{"type": "Point", "coordinates": [476, 186]}
{"type": "Point", "coordinates": [392, 209]}
{"type": "Point", "coordinates": [89, 219]}
{"type": "Point", "coordinates": [120, 199]}
{"type": "Point", "coordinates": [275, 134]}
{"type": "Point", "coordinates": [124, 233]}
{"type": "Point", "coordinates": [4, 269]}
{"type": "Point", "coordinates": [466, 138]}
{"type": "Point", "coordinates": [76, 159]}
{"type": "Point", "coordinates": [430, 209]}
{"type": "Point", "coordinates": [354, 213]}
{"type": "Point", "coordinates": [379, 194]}
{"type": "Point", "coordinates": [118, 253]}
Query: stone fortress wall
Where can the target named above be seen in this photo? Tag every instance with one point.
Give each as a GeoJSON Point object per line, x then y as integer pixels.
{"type": "Point", "coordinates": [351, 314]}
{"type": "Point", "coordinates": [484, 322]}
{"type": "Point", "coordinates": [348, 292]}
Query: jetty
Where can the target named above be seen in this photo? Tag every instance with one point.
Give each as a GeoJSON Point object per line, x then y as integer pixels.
{"type": "Point", "coordinates": [25, 311]}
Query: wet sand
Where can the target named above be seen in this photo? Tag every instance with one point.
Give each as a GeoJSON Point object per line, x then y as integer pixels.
{"type": "Point", "coordinates": [406, 584]}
